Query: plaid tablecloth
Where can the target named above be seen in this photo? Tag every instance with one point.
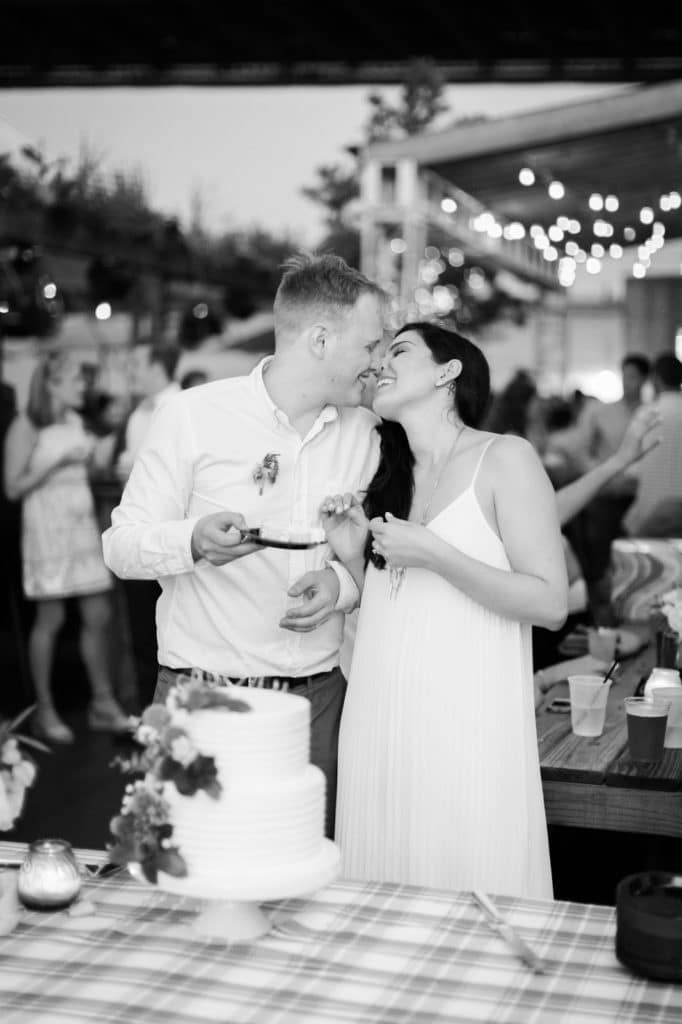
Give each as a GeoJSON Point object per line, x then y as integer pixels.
{"type": "Point", "coordinates": [355, 952]}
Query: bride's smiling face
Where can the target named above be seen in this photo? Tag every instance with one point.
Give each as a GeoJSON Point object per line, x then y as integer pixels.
{"type": "Point", "coordinates": [409, 375]}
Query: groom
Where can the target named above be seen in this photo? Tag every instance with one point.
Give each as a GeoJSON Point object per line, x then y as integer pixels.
{"type": "Point", "coordinates": [248, 451]}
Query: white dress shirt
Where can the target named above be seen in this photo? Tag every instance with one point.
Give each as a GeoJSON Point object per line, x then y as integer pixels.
{"type": "Point", "coordinates": [199, 457]}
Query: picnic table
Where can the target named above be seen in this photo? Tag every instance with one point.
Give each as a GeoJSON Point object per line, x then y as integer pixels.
{"type": "Point", "coordinates": [592, 782]}
{"type": "Point", "coordinates": [376, 953]}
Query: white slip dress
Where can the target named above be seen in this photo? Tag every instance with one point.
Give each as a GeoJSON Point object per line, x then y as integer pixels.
{"type": "Point", "coordinates": [439, 776]}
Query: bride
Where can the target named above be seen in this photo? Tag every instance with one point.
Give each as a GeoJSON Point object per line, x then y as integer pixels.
{"type": "Point", "coordinates": [458, 551]}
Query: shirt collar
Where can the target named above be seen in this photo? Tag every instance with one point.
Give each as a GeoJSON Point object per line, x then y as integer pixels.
{"type": "Point", "coordinates": [327, 415]}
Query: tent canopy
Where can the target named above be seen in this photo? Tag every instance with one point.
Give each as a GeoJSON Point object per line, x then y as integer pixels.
{"type": "Point", "coordinates": [203, 42]}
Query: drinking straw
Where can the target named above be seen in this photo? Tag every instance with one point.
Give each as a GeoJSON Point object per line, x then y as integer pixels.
{"type": "Point", "coordinates": [611, 669]}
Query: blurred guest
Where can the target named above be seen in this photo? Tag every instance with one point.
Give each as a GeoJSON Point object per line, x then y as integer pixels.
{"type": "Point", "coordinates": [46, 455]}
{"type": "Point", "coordinates": [551, 429]}
{"type": "Point", "coordinates": [193, 378]}
{"type": "Point", "coordinates": [153, 371]}
{"type": "Point", "coordinates": [578, 401]}
{"type": "Point", "coordinates": [110, 427]}
{"type": "Point", "coordinates": [508, 412]}
{"type": "Point", "coordinates": [601, 429]}
{"type": "Point", "coordinates": [603, 424]}
{"type": "Point", "coordinates": [657, 508]}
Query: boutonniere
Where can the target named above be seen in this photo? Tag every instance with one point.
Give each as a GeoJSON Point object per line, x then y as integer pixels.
{"type": "Point", "coordinates": [268, 470]}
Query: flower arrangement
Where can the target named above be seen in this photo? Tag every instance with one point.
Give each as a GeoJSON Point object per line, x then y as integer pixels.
{"type": "Point", "coordinates": [163, 752]}
{"type": "Point", "coordinates": [17, 770]}
{"type": "Point", "coordinates": [671, 607]}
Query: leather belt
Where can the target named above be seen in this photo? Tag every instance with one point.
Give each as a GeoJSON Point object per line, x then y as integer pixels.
{"type": "Point", "coordinates": [261, 682]}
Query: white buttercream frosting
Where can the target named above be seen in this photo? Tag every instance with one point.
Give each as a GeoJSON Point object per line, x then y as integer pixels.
{"type": "Point", "coordinates": [269, 817]}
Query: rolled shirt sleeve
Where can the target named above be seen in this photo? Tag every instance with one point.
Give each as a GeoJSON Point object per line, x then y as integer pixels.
{"type": "Point", "coordinates": [150, 534]}
{"type": "Point", "coordinates": [349, 595]}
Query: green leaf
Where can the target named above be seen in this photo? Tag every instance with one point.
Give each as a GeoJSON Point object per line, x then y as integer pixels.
{"type": "Point", "coordinates": [30, 742]}
{"type": "Point", "coordinates": [20, 717]}
{"type": "Point", "coordinates": [172, 863]}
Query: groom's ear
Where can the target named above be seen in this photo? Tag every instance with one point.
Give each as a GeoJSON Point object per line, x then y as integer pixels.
{"type": "Point", "coordinates": [449, 372]}
{"type": "Point", "coordinates": [318, 337]}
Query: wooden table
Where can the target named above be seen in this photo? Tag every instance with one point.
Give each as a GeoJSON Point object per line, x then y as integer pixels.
{"type": "Point", "coordinates": [592, 783]}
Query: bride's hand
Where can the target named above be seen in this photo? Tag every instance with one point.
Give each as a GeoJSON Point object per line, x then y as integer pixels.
{"type": "Point", "coordinates": [346, 526]}
{"type": "Point", "coordinates": [401, 543]}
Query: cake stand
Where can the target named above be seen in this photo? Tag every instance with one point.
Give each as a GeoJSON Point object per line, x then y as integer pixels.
{"type": "Point", "coordinates": [231, 908]}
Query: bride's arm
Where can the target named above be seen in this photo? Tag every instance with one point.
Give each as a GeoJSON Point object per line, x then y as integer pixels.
{"type": "Point", "coordinates": [347, 527]}
{"type": "Point", "coordinates": [536, 590]}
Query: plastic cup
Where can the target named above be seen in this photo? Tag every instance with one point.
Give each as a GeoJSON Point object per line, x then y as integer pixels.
{"type": "Point", "coordinates": [647, 719]}
{"type": "Point", "coordinates": [673, 729]}
{"type": "Point", "coordinates": [601, 643]}
{"type": "Point", "coordinates": [588, 704]}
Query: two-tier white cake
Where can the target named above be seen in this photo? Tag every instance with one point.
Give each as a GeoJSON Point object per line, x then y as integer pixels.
{"type": "Point", "coordinates": [263, 838]}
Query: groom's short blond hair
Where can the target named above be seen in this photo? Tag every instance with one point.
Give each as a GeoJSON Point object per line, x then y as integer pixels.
{"type": "Point", "coordinates": [317, 287]}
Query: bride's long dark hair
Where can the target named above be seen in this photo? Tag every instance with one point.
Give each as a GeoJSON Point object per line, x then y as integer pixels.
{"type": "Point", "coordinates": [392, 486]}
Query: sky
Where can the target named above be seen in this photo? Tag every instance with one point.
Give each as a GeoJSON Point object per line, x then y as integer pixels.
{"type": "Point", "coordinates": [246, 152]}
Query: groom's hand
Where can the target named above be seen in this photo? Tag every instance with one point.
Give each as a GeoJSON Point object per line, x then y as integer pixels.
{"type": "Point", "coordinates": [217, 538]}
{"type": "Point", "coordinates": [320, 592]}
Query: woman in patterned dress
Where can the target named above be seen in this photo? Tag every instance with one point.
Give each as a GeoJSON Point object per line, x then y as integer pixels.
{"type": "Point", "coordinates": [46, 455]}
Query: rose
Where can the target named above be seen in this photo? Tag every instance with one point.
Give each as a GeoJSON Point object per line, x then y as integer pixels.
{"type": "Point", "coordinates": [182, 750]}
{"type": "Point", "coordinates": [11, 754]}
{"type": "Point", "coordinates": [671, 607]}
{"type": "Point", "coordinates": [24, 773]}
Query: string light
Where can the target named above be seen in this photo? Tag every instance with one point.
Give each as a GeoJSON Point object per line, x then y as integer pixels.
{"type": "Point", "coordinates": [593, 265]}
{"type": "Point", "coordinates": [646, 215]}
{"type": "Point", "coordinates": [556, 190]}
{"type": "Point", "coordinates": [448, 205]}
{"type": "Point", "coordinates": [638, 270]}
{"type": "Point", "coordinates": [595, 202]}
{"type": "Point", "coordinates": [602, 228]}
{"type": "Point", "coordinates": [611, 203]}
{"type": "Point", "coordinates": [526, 176]}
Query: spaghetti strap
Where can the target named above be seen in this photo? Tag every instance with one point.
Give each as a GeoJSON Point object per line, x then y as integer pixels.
{"type": "Point", "coordinates": [480, 460]}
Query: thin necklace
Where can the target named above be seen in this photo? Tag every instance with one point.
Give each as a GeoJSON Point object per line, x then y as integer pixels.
{"type": "Point", "coordinates": [396, 573]}
{"type": "Point", "coordinates": [446, 462]}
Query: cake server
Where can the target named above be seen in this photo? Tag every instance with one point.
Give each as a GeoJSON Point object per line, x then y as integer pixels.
{"type": "Point", "coordinates": [518, 945]}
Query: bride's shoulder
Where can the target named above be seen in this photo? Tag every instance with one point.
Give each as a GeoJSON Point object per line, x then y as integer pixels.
{"type": "Point", "coordinates": [508, 453]}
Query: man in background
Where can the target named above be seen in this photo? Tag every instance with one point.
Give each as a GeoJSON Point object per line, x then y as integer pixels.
{"type": "Point", "coordinates": [657, 508]}
{"type": "Point", "coordinates": [153, 366]}
{"type": "Point", "coordinates": [599, 433]}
